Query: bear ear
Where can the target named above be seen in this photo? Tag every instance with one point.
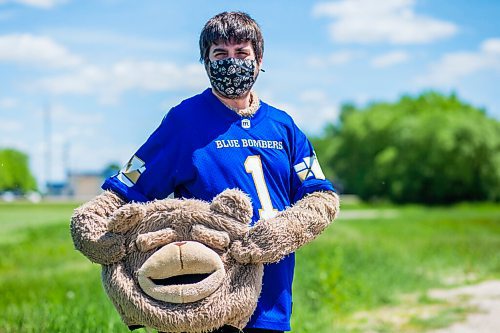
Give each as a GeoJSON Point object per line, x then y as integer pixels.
{"type": "Point", "coordinates": [235, 203]}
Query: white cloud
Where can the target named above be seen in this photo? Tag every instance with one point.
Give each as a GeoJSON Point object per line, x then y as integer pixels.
{"type": "Point", "coordinates": [390, 59]}
{"type": "Point", "coordinates": [333, 59]}
{"type": "Point", "coordinates": [391, 21]}
{"type": "Point", "coordinates": [491, 46]}
{"type": "Point", "coordinates": [453, 67]}
{"type": "Point", "coordinates": [73, 119]}
{"type": "Point", "coordinates": [109, 83]}
{"type": "Point", "coordinates": [8, 103]}
{"type": "Point", "coordinates": [113, 40]}
{"type": "Point", "coordinates": [45, 4]}
{"type": "Point", "coordinates": [316, 109]}
{"type": "Point", "coordinates": [313, 96]}
{"type": "Point", "coordinates": [35, 50]}
{"type": "Point", "coordinates": [313, 110]}
{"type": "Point", "coordinates": [11, 126]}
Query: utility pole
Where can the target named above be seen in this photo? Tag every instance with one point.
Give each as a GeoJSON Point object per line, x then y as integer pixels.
{"type": "Point", "coordinates": [68, 188]}
{"type": "Point", "coordinates": [66, 159]}
{"type": "Point", "coordinates": [48, 145]}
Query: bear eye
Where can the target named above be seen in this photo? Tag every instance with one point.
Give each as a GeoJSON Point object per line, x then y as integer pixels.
{"type": "Point", "coordinates": [214, 238]}
{"type": "Point", "coordinates": [154, 239]}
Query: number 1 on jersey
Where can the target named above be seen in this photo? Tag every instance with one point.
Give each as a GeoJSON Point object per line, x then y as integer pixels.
{"type": "Point", "coordinates": [253, 165]}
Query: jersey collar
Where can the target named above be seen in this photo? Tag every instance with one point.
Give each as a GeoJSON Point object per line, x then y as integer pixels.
{"type": "Point", "coordinates": [229, 115]}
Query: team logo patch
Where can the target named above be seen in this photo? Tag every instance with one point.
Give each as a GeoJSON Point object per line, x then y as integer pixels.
{"type": "Point", "coordinates": [131, 172]}
{"type": "Point", "coordinates": [245, 123]}
{"type": "Point", "coordinates": [309, 168]}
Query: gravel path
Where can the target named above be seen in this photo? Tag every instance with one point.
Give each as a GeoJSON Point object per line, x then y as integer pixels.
{"type": "Point", "coordinates": [485, 297]}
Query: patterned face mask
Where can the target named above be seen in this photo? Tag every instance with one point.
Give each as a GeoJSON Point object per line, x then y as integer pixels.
{"type": "Point", "coordinates": [232, 77]}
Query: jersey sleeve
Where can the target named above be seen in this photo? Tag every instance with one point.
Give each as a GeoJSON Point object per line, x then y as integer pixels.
{"type": "Point", "coordinates": [155, 169]}
{"type": "Point", "coordinates": [307, 176]}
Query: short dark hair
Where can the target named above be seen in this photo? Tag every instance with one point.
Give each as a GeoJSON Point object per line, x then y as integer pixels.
{"type": "Point", "coordinates": [231, 27]}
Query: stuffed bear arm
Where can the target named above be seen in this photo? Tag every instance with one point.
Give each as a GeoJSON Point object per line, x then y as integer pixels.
{"type": "Point", "coordinates": [89, 229]}
{"type": "Point", "coordinates": [272, 239]}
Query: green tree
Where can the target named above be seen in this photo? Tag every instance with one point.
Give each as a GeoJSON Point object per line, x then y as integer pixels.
{"type": "Point", "coordinates": [15, 174]}
{"type": "Point", "coordinates": [430, 148]}
{"type": "Point", "coordinates": [111, 169]}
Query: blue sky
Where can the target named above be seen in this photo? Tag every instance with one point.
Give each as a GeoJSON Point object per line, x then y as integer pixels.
{"type": "Point", "coordinates": [109, 70]}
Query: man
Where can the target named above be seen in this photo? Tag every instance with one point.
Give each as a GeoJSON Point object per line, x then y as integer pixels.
{"type": "Point", "coordinates": [226, 137]}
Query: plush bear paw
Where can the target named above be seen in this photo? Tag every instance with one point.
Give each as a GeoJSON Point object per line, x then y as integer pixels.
{"type": "Point", "coordinates": [126, 218]}
{"type": "Point", "coordinates": [108, 249]}
{"type": "Point", "coordinates": [245, 253]}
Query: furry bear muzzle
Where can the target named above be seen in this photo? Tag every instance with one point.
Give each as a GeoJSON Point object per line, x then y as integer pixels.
{"type": "Point", "coordinates": [181, 272]}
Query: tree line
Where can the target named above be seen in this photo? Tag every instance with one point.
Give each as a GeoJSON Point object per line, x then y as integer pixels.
{"type": "Point", "coordinates": [15, 174]}
{"type": "Point", "coordinates": [431, 148]}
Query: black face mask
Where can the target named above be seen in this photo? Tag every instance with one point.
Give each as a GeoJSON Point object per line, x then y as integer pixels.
{"type": "Point", "coordinates": [232, 77]}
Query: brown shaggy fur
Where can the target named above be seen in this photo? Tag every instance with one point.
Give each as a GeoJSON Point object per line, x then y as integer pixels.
{"type": "Point", "coordinates": [270, 240]}
{"type": "Point", "coordinates": [123, 239]}
{"type": "Point", "coordinates": [89, 229]}
{"type": "Point", "coordinates": [145, 228]}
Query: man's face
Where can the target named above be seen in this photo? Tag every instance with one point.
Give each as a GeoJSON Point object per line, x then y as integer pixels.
{"type": "Point", "coordinates": [232, 84]}
{"type": "Point", "coordinates": [223, 50]}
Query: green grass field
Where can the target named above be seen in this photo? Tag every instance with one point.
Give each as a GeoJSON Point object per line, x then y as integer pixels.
{"type": "Point", "coordinates": [372, 258]}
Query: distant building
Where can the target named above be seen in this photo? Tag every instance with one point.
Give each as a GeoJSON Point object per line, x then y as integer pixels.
{"type": "Point", "coordinates": [84, 186]}
{"type": "Point", "coordinates": [56, 189]}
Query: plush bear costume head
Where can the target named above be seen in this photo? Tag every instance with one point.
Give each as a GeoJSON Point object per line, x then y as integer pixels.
{"type": "Point", "coordinates": [177, 275]}
{"type": "Point", "coordinates": [189, 265]}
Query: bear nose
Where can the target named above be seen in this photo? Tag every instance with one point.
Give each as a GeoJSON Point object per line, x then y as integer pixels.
{"type": "Point", "coordinates": [179, 244]}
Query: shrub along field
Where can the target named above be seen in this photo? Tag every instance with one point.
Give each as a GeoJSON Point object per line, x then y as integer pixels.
{"type": "Point", "coordinates": [370, 258]}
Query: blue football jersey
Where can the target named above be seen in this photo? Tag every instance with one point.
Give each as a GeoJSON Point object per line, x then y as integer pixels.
{"type": "Point", "coordinates": [202, 148]}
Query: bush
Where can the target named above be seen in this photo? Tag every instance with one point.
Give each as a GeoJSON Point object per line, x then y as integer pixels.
{"type": "Point", "coordinates": [15, 174]}
{"type": "Point", "coordinates": [429, 149]}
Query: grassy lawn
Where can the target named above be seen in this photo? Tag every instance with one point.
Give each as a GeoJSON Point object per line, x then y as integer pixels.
{"type": "Point", "coordinates": [361, 264]}
{"type": "Point", "coordinates": [373, 258]}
